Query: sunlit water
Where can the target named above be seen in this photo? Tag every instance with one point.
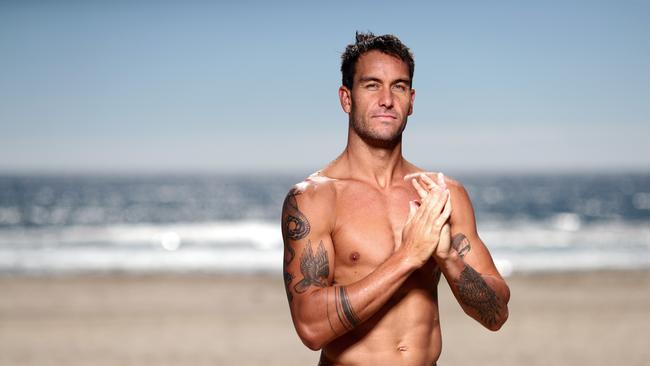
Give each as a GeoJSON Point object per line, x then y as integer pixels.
{"type": "Point", "coordinates": [60, 224]}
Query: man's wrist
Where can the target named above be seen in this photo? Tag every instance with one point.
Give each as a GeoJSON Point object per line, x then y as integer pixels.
{"type": "Point", "coordinates": [407, 262]}
{"type": "Point", "coordinates": [452, 263]}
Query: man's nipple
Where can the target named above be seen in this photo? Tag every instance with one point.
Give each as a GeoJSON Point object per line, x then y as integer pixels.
{"type": "Point", "coordinates": [354, 257]}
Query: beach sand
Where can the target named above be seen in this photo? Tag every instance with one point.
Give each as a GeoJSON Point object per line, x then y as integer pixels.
{"type": "Point", "coordinates": [595, 318]}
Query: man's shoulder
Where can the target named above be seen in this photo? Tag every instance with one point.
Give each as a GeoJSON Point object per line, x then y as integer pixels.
{"type": "Point", "coordinates": [314, 199]}
{"type": "Point", "coordinates": [315, 191]}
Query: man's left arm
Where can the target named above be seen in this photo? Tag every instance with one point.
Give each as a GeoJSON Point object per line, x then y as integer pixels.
{"type": "Point", "coordinates": [467, 264]}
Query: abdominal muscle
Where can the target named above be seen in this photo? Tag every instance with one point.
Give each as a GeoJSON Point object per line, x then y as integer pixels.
{"type": "Point", "coordinates": [406, 331]}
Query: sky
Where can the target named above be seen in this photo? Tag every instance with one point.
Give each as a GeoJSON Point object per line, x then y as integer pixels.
{"type": "Point", "coordinates": [245, 86]}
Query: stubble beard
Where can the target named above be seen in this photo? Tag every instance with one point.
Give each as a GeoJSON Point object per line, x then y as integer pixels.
{"type": "Point", "coordinates": [374, 138]}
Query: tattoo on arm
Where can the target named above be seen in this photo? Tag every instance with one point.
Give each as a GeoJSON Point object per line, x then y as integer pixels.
{"type": "Point", "coordinates": [344, 309]}
{"type": "Point", "coordinates": [327, 304]}
{"type": "Point", "coordinates": [288, 277]}
{"type": "Point", "coordinates": [461, 244]}
{"type": "Point", "coordinates": [289, 254]}
{"type": "Point", "coordinates": [314, 268]}
{"type": "Point", "coordinates": [475, 292]}
{"type": "Point", "coordinates": [295, 226]}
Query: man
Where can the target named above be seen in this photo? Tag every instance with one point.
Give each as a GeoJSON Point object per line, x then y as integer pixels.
{"type": "Point", "coordinates": [367, 237]}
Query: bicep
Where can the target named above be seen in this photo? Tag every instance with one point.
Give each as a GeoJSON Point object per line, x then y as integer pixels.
{"type": "Point", "coordinates": [308, 248]}
{"type": "Point", "coordinates": [308, 265]}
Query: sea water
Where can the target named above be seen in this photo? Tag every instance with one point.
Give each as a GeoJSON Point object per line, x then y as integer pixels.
{"type": "Point", "coordinates": [230, 223]}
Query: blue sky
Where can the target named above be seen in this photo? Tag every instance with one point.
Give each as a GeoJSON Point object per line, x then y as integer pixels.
{"type": "Point", "coordinates": [182, 86]}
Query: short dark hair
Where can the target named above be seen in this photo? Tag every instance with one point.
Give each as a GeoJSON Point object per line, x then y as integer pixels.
{"type": "Point", "coordinates": [365, 42]}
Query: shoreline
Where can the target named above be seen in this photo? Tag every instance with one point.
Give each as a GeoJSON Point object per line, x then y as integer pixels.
{"type": "Point", "coordinates": [566, 318]}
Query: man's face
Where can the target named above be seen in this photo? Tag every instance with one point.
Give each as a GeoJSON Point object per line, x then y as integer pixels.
{"type": "Point", "coordinates": [381, 99]}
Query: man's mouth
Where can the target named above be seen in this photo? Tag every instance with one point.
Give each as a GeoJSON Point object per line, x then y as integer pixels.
{"type": "Point", "coordinates": [384, 115]}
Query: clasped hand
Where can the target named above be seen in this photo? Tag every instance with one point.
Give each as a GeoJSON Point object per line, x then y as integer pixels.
{"type": "Point", "coordinates": [427, 232]}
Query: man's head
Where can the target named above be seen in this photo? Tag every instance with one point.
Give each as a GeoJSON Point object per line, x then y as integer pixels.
{"type": "Point", "coordinates": [366, 42]}
{"type": "Point", "coordinates": [376, 91]}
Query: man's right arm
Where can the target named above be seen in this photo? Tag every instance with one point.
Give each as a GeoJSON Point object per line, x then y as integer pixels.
{"type": "Point", "coordinates": [322, 312]}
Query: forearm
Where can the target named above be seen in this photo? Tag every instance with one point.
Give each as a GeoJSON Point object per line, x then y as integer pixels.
{"type": "Point", "coordinates": [483, 297]}
{"type": "Point", "coordinates": [329, 312]}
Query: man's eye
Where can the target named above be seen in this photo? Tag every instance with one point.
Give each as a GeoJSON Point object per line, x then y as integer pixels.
{"type": "Point", "coordinates": [400, 87]}
{"type": "Point", "coordinates": [372, 86]}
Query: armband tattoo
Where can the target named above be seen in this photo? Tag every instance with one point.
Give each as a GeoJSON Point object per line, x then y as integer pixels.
{"type": "Point", "coordinates": [344, 309]}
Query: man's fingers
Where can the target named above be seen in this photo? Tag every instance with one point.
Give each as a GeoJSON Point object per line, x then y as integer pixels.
{"type": "Point", "coordinates": [423, 214]}
{"type": "Point", "coordinates": [431, 208]}
{"type": "Point", "coordinates": [417, 174]}
{"type": "Point", "coordinates": [441, 181]}
{"type": "Point", "coordinates": [445, 230]}
{"type": "Point", "coordinates": [449, 200]}
{"type": "Point", "coordinates": [413, 208]}
{"type": "Point", "coordinates": [429, 182]}
{"type": "Point", "coordinates": [435, 205]}
{"type": "Point", "coordinates": [418, 187]}
{"type": "Point", "coordinates": [444, 215]}
{"type": "Point", "coordinates": [411, 176]}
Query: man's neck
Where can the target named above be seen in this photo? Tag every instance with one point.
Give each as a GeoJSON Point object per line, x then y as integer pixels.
{"type": "Point", "coordinates": [376, 165]}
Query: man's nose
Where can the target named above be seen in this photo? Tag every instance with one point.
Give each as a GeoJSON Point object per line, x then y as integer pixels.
{"type": "Point", "coordinates": [386, 98]}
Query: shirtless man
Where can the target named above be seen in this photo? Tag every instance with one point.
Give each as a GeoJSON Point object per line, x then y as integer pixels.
{"type": "Point", "coordinates": [367, 237]}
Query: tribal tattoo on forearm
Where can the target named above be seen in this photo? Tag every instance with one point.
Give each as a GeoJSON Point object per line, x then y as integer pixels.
{"type": "Point", "coordinates": [461, 244]}
{"type": "Point", "coordinates": [295, 226]}
{"type": "Point", "coordinates": [315, 268]}
{"type": "Point", "coordinates": [475, 292]}
{"type": "Point", "coordinates": [344, 309]}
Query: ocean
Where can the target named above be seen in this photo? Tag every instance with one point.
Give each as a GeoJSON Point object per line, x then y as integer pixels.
{"type": "Point", "coordinates": [230, 223]}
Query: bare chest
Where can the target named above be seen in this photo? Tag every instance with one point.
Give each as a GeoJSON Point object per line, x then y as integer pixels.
{"type": "Point", "coordinates": [368, 228]}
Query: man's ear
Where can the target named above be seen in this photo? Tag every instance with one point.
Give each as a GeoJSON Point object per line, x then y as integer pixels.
{"type": "Point", "coordinates": [412, 100]}
{"type": "Point", "coordinates": [345, 97]}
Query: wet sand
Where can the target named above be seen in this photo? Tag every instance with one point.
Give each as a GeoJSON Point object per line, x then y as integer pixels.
{"type": "Point", "coordinates": [594, 318]}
